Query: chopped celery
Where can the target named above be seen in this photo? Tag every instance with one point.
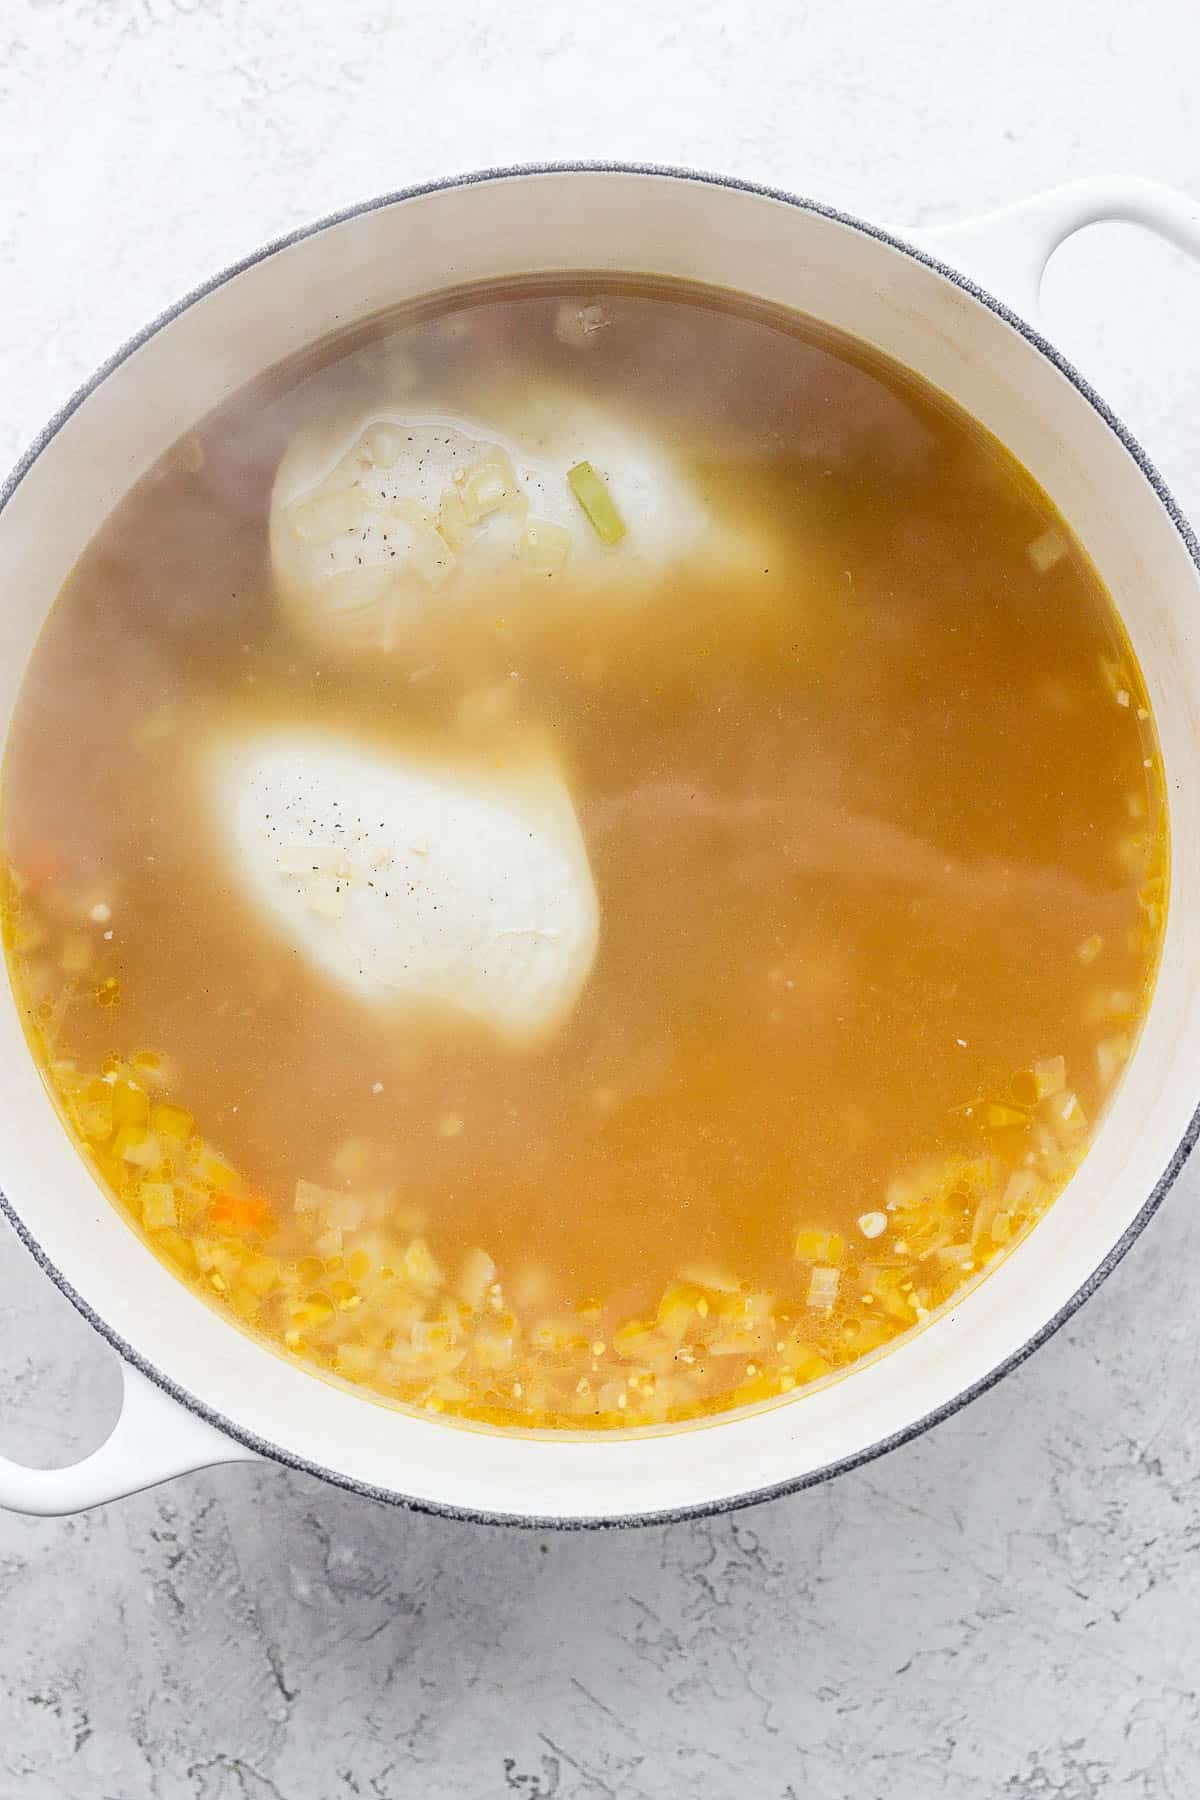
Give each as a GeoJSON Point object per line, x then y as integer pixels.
{"type": "Point", "coordinates": [591, 490]}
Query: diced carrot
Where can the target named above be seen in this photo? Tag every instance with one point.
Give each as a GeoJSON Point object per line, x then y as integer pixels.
{"type": "Point", "coordinates": [240, 1214]}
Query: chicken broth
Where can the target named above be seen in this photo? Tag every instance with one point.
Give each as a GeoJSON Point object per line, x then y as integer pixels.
{"type": "Point", "coordinates": [583, 857]}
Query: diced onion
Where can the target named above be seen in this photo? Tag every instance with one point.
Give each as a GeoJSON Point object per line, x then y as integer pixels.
{"type": "Point", "coordinates": [354, 1362]}
{"type": "Point", "coordinates": [130, 1103]}
{"type": "Point", "coordinates": [1049, 1076]}
{"type": "Point", "coordinates": [1115, 677]}
{"type": "Point", "coordinates": [678, 1309]}
{"type": "Point", "coordinates": [804, 1360]}
{"type": "Point", "coordinates": [431, 1337]}
{"type": "Point", "coordinates": [823, 1288]}
{"type": "Point", "coordinates": [261, 1274]}
{"type": "Point", "coordinates": [94, 1111]}
{"type": "Point", "coordinates": [1067, 1116]}
{"type": "Point", "coordinates": [343, 1210]}
{"type": "Point", "coordinates": [477, 1276]}
{"type": "Point", "coordinates": [1021, 1191]}
{"type": "Point", "coordinates": [1047, 550]}
{"type": "Point", "coordinates": [952, 1256]}
{"type": "Point", "coordinates": [383, 444]}
{"type": "Point", "coordinates": [419, 1265]}
{"type": "Point", "coordinates": [815, 1246]}
{"type": "Point", "coordinates": [323, 517]}
{"type": "Point", "coordinates": [578, 327]}
{"type": "Point", "coordinates": [337, 1210]}
{"type": "Point", "coordinates": [544, 547]}
{"type": "Point", "coordinates": [172, 1122]}
{"type": "Point", "coordinates": [1111, 1056]}
{"type": "Point", "coordinates": [214, 1170]}
{"type": "Point", "coordinates": [159, 1209]}
{"type": "Point", "coordinates": [452, 519]}
{"type": "Point", "coordinates": [485, 487]}
{"type": "Point", "coordinates": [410, 512]}
{"type": "Point", "coordinates": [1115, 1004]}
{"type": "Point", "coordinates": [1020, 1196]}
{"type": "Point", "coordinates": [137, 1145]}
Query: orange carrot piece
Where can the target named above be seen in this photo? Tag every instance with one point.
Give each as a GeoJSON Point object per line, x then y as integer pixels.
{"type": "Point", "coordinates": [240, 1214]}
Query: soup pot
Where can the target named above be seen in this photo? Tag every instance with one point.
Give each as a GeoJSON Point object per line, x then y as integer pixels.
{"type": "Point", "coordinates": [952, 305]}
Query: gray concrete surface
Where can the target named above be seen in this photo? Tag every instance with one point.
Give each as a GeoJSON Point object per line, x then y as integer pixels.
{"type": "Point", "coordinates": [1008, 1608]}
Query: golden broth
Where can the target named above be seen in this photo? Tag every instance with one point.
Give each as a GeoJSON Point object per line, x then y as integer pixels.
{"type": "Point", "coordinates": [876, 825]}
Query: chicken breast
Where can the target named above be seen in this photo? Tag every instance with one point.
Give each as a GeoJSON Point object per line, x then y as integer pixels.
{"type": "Point", "coordinates": [381, 516]}
{"type": "Point", "coordinates": [412, 882]}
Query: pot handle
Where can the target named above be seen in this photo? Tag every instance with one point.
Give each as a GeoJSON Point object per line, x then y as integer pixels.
{"type": "Point", "coordinates": [153, 1439]}
{"type": "Point", "coordinates": [1006, 251]}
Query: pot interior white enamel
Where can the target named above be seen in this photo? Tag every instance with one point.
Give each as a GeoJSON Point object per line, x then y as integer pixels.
{"type": "Point", "coordinates": [837, 272]}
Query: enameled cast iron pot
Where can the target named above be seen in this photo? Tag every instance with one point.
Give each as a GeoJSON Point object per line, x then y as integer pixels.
{"type": "Point", "coordinates": [197, 1391]}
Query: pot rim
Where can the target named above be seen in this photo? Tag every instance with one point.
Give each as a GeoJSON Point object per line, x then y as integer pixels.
{"type": "Point", "coordinates": [916, 1428]}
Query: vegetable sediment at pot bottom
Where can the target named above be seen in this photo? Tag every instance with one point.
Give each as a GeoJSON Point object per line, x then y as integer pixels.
{"type": "Point", "coordinates": [584, 858]}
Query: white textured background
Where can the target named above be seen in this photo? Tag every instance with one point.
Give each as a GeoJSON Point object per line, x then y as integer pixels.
{"type": "Point", "coordinates": [1009, 1607]}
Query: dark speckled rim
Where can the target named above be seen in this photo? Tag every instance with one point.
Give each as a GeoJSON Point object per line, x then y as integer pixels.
{"type": "Point", "coordinates": [752, 1496]}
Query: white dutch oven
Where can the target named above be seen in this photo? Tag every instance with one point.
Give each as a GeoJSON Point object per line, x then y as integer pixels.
{"type": "Point", "coordinates": [197, 1391]}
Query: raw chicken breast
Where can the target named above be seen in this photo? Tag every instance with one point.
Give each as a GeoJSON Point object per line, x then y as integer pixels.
{"type": "Point", "coordinates": [380, 516]}
{"type": "Point", "coordinates": [413, 882]}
